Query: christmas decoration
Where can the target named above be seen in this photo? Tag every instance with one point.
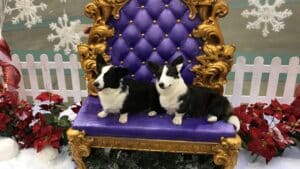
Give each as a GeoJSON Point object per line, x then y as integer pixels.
{"type": "Point", "coordinates": [11, 74]}
{"type": "Point", "coordinates": [266, 15]}
{"type": "Point", "coordinates": [9, 148]}
{"type": "Point", "coordinates": [29, 130]}
{"type": "Point", "coordinates": [268, 130]}
{"type": "Point", "coordinates": [66, 34]}
{"type": "Point", "coordinates": [27, 12]}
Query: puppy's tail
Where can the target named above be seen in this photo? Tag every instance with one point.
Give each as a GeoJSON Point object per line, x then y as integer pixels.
{"type": "Point", "coordinates": [235, 121]}
{"type": "Point", "coordinates": [232, 119]}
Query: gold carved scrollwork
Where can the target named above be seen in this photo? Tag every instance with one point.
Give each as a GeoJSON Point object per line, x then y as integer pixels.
{"type": "Point", "coordinates": [80, 146]}
{"type": "Point", "coordinates": [226, 153]}
{"type": "Point", "coordinates": [216, 62]}
{"type": "Point", "coordinates": [100, 11]}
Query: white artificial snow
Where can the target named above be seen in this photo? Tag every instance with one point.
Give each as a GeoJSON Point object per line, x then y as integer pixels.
{"type": "Point", "coordinates": [289, 160]}
{"type": "Point", "coordinates": [266, 15]}
{"type": "Point", "coordinates": [9, 148]}
{"type": "Point", "coordinates": [66, 34]}
{"type": "Point", "coordinates": [47, 154]}
{"type": "Point", "coordinates": [27, 11]}
{"type": "Point", "coordinates": [28, 159]}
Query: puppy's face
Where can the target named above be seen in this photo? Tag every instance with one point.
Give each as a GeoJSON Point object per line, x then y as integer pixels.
{"type": "Point", "coordinates": [108, 75]}
{"type": "Point", "coordinates": [167, 75]}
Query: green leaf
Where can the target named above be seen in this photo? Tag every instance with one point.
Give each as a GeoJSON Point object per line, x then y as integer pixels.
{"type": "Point", "coordinates": [64, 122]}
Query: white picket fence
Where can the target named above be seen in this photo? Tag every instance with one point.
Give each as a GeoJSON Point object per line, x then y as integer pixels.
{"type": "Point", "coordinates": [257, 69]}
{"type": "Point", "coordinates": [44, 81]}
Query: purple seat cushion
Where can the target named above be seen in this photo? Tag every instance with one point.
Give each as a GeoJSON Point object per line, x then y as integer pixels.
{"type": "Point", "coordinates": [142, 126]}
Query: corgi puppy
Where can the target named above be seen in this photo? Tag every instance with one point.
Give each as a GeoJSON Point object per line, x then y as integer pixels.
{"type": "Point", "coordinates": [122, 95]}
{"type": "Point", "coordinates": [179, 99]}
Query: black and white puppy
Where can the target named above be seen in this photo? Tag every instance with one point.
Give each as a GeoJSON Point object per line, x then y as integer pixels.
{"type": "Point", "coordinates": [123, 95]}
{"type": "Point", "coordinates": [179, 99]}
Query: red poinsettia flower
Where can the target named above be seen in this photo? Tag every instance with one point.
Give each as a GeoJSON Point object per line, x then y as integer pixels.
{"type": "Point", "coordinates": [281, 135]}
{"type": "Point", "coordinates": [47, 135]}
{"type": "Point", "coordinates": [295, 106]}
{"type": "Point", "coordinates": [260, 123]}
{"type": "Point", "coordinates": [294, 123]}
{"type": "Point", "coordinates": [24, 110]}
{"type": "Point", "coordinates": [48, 96]}
{"type": "Point", "coordinates": [4, 120]}
{"type": "Point", "coordinates": [262, 143]}
{"type": "Point", "coordinates": [241, 113]}
{"type": "Point", "coordinates": [76, 107]}
{"type": "Point", "coordinates": [277, 110]}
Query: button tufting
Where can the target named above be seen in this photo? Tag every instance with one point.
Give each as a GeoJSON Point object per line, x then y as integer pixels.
{"type": "Point", "coordinates": [157, 30]}
{"type": "Point", "coordinates": [200, 47]}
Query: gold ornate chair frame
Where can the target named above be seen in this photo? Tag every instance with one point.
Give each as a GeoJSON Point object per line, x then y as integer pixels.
{"type": "Point", "coordinates": [211, 71]}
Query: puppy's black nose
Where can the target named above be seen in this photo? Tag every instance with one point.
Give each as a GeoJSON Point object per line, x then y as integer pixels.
{"type": "Point", "coordinates": [161, 85]}
{"type": "Point", "coordinates": [96, 84]}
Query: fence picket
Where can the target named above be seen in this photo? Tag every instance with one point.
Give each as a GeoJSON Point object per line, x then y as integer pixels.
{"type": "Point", "coordinates": [60, 74]}
{"type": "Point", "coordinates": [291, 78]}
{"type": "Point", "coordinates": [30, 65]}
{"type": "Point", "coordinates": [256, 78]}
{"type": "Point", "coordinates": [273, 77]}
{"type": "Point", "coordinates": [75, 78]}
{"type": "Point", "coordinates": [238, 80]}
{"type": "Point", "coordinates": [46, 72]}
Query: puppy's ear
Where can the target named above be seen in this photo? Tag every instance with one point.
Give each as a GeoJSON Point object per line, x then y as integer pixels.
{"type": "Point", "coordinates": [154, 67]}
{"type": "Point", "coordinates": [100, 62]}
{"type": "Point", "coordinates": [121, 72]}
{"type": "Point", "coordinates": [178, 62]}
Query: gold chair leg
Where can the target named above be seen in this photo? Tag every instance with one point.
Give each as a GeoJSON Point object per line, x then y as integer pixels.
{"type": "Point", "coordinates": [80, 146]}
{"type": "Point", "coordinates": [226, 154]}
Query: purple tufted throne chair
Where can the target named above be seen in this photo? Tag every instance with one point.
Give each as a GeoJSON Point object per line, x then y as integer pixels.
{"type": "Point", "coordinates": [129, 33]}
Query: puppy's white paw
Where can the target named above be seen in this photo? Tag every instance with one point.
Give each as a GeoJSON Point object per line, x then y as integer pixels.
{"type": "Point", "coordinates": [152, 113]}
{"type": "Point", "coordinates": [102, 114]}
{"type": "Point", "coordinates": [212, 118]}
{"type": "Point", "coordinates": [123, 118]}
{"type": "Point", "coordinates": [177, 120]}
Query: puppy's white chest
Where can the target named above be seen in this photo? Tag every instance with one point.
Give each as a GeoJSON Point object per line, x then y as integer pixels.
{"type": "Point", "coordinates": [112, 100]}
{"type": "Point", "coordinates": [171, 104]}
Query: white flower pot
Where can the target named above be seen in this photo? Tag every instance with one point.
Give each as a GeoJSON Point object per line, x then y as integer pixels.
{"type": "Point", "coordinates": [47, 154]}
{"type": "Point", "coordinates": [9, 148]}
